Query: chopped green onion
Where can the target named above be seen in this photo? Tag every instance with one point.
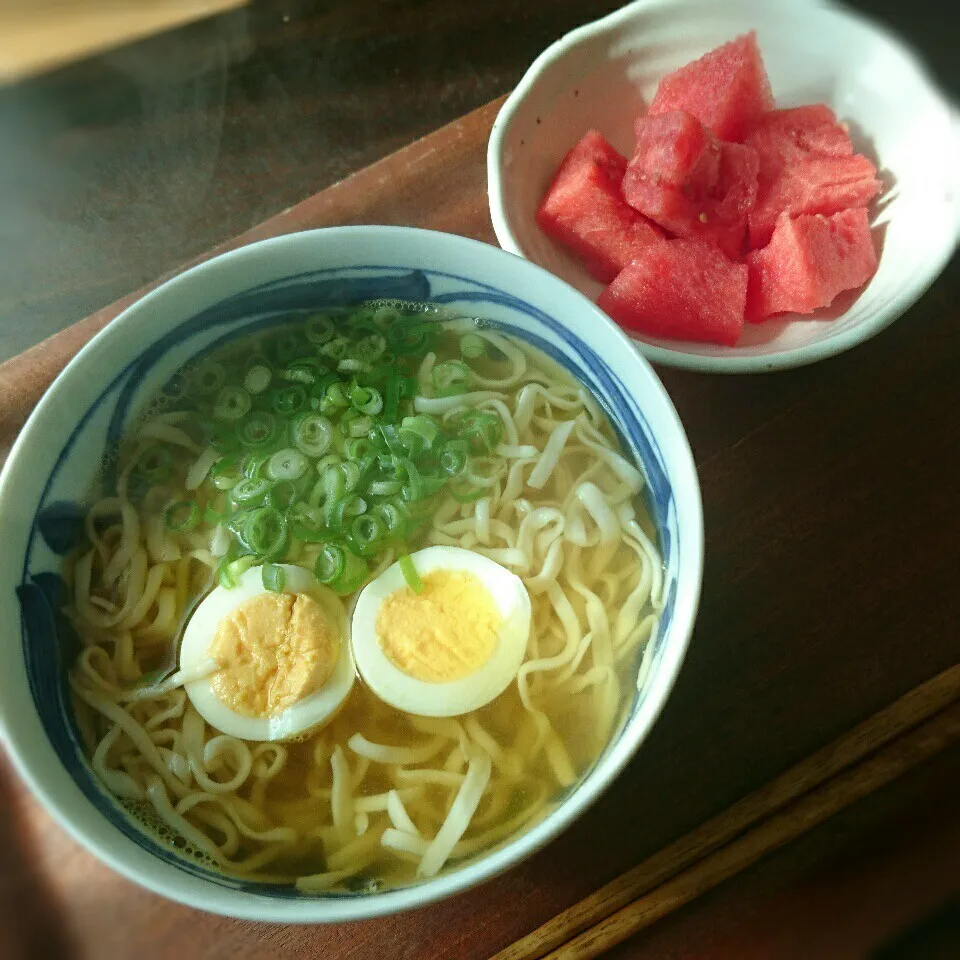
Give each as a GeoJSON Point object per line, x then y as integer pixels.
{"type": "Point", "coordinates": [336, 395]}
{"type": "Point", "coordinates": [319, 329]}
{"type": "Point", "coordinates": [257, 429]}
{"type": "Point", "coordinates": [410, 574]}
{"type": "Point", "coordinates": [356, 448]}
{"type": "Point", "coordinates": [230, 570]}
{"type": "Point", "coordinates": [408, 339]}
{"type": "Point", "coordinates": [181, 516]}
{"type": "Point", "coordinates": [257, 378]}
{"type": "Point", "coordinates": [324, 463]}
{"type": "Point", "coordinates": [351, 474]}
{"type": "Point", "coordinates": [467, 494]}
{"type": "Point", "coordinates": [482, 429]}
{"type": "Point", "coordinates": [371, 347]}
{"type": "Point", "coordinates": [334, 482]}
{"type": "Point", "coordinates": [450, 377]}
{"type": "Point", "coordinates": [209, 377]}
{"type": "Point", "coordinates": [432, 485]}
{"type": "Point", "coordinates": [336, 349]}
{"type": "Point", "coordinates": [231, 404]}
{"type": "Point", "coordinates": [353, 423]}
{"type": "Point", "coordinates": [331, 562]}
{"type": "Point", "coordinates": [254, 464]}
{"type": "Point", "coordinates": [281, 495]}
{"type": "Point", "coordinates": [274, 577]}
{"type": "Point", "coordinates": [288, 400]}
{"type": "Point", "coordinates": [224, 465]}
{"type": "Point", "coordinates": [453, 459]}
{"type": "Point", "coordinates": [351, 365]}
{"type": "Point", "coordinates": [472, 346]}
{"type": "Point", "coordinates": [414, 488]}
{"type": "Point", "coordinates": [391, 398]}
{"type": "Point", "coordinates": [366, 534]}
{"type": "Point", "coordinates": [392, 439]}
{"type": "Point", "coordinates": [300, 372]}
{"type": "Point", "coordinates": [155, 463]}
{"type": "Point", "coordinates": [366, 399]}
{"type": "Point", "coordinates": [265, 531]}
{"type": "Point", "coordinates": [393, 517]}
{"type": "Point", "coordinates": [226, 481]}
{"type": "Point", "coordinates": [306, 523]}
{"type": "Point", "coordinates": [318, 390]}
{"type": "Point", "coordinates": [354, 573]}
{"type": "Point", "coordinates": [249, 492]}
{"type": "Point", "coordinates": [366, 466]}
{"type": "Point", "coordinates": [312, 434]}
{"type": "Point", "coordinates": [287, 464]}
{"type": "Point", "coordinates": [384, 488]}
{"type": "Point", "coordinates": [339, 512]}
{"type": "Point", "coordinates": [418, 433]}
{"type": "Point", "coordinates": [361, 426]}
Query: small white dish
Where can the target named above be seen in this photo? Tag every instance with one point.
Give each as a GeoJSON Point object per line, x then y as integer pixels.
{"type": "Point", "coordinates": [604, 74]}
{"type": "Point", "coordinates": [58, 453]}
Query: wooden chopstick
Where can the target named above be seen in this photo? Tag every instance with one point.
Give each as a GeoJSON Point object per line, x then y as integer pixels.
{"type": "Point", "coordinates": [869, 775]}
{"type": "Point", "coordinates": [669, 878]}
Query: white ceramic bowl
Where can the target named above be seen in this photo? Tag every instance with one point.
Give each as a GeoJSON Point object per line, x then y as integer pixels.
{"type": "Point", "coordinates": [603, 75]}
{"type": "Point", "coordinates": [57, 454]}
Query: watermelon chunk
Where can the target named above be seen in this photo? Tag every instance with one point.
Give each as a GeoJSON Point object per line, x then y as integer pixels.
{"type": "Point", "coordinates": [726, 89]}
{"type": "Point", "coordinates": [691, 184]}
{"type": "Point", "coordinates": [680, 290]}
{"type": "Point", "coordinates": [808, 261]}
{"type": "Point", "coordinates": [807, 165]}
{"type": "Point", "coordinates": [584, 210]}
{"type": "Point", "coordinates": [814, 184]}
{"type": "Point", "coordinates": [677, 150]}
{"type": "Point", "coordinates": [786, 136]}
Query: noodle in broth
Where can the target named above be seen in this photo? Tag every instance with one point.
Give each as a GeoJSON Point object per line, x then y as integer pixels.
{"type": "Point", "coordinates": [377, 797]}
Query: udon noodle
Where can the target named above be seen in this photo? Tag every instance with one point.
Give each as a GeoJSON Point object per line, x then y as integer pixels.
{"type": "Point", "coordinates": [377, 797]}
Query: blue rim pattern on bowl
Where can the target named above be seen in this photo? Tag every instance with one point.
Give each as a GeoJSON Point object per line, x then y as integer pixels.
{"type": "Point", "coordinates": [44, 654]}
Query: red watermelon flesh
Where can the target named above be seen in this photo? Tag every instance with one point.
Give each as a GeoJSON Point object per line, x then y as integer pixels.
{"type": "Point", "coordinates": [584, 210]}
{"type": "Point", "coordinates": [785, 136]}
{"type": "Point", "coordinates": [726, 89]}
{"type": "Point", "coordinates": [680, 289]}
{"type": "Point", "coordinates": [593, 147]}
{"type": "Point", "coordinates": [816, 184]}
{"type": "Point", "coordinates": [809, 260]}
{"type": "Point", "coordinates": [716, 212]}
{"type": "Point", "coordinates": [675, 149]}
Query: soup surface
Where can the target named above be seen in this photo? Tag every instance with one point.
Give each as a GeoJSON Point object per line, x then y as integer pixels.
{"type": "Point", "coordinates": [361, 596]}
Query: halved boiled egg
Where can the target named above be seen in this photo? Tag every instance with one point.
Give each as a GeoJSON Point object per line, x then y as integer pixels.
{"type": "Point", "coordinates": [281, 661]}
{"type": "Point", "coordinates": [450, 648]}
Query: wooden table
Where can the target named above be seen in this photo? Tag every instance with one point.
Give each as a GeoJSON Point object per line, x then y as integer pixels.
{"type": "Point", "coordinates": [832, 548]}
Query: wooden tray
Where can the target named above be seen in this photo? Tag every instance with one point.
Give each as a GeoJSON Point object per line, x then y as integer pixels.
{"type": "Point", "coordinates": [832, 552]}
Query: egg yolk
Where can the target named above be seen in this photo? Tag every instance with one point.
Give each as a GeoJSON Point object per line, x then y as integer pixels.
{"type": "Point", "coordinates": [272, 650]}
{"type": "Point", "coordinates": [445, 632]}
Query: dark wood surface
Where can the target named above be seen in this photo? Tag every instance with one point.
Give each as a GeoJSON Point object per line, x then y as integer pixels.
{"type": "Point", "coordinates": [829, 492]}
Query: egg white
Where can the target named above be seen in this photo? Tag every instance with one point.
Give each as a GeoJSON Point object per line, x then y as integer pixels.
{"type": "Point", "coordinates": [454, 697]}
{"type": "Point", "coordinates": [313, 710]}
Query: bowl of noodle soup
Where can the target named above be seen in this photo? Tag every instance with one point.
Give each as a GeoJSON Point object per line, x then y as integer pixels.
{"type": "Point", "coordinates": [297, 422]}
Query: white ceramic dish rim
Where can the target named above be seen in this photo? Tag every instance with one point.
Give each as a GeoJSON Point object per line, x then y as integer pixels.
{"type": "Point", "coordinates": [784, 360]}
{"type": "Point", "coordinates": [121, 853]}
